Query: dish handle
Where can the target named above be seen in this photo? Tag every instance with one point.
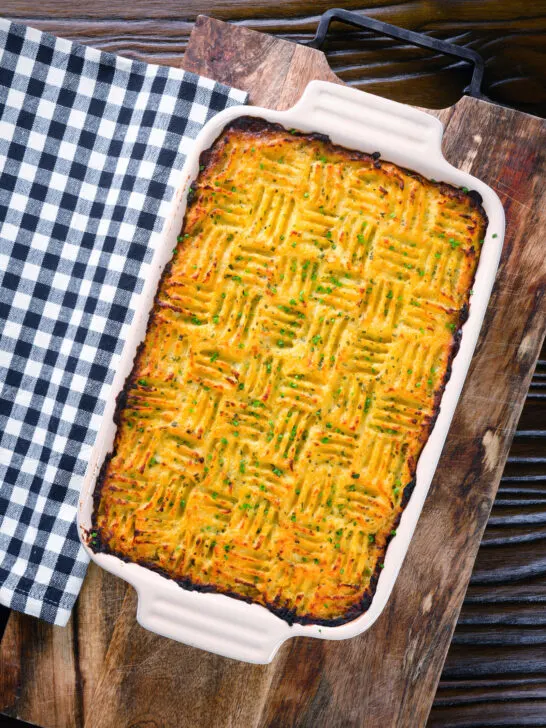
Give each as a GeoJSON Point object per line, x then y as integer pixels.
{"type": "Point", "coordinates": [357, 20]}
{"type": "Point", "coordinates": [211, 622]}
{"type": "Point", "coordinates": [399, 132]}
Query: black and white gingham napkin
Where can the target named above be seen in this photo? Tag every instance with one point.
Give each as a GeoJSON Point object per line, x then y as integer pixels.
{"type": "Point", "coordinates": [91, 148]}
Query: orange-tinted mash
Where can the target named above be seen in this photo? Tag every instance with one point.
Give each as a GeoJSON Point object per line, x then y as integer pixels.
{"type": "Point", "coordinates": [295, 358]}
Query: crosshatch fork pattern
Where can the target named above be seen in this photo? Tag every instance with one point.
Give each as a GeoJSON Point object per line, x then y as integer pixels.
{"type": "Point", "coordinates": [292, 369]}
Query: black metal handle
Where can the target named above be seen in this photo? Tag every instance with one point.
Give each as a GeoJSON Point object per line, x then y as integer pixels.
{"type": "Point", "coordinates": [418, 39]}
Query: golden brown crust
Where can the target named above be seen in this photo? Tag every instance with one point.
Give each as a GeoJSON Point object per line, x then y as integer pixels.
{"type": "Point", "coordinates": [296, 355]}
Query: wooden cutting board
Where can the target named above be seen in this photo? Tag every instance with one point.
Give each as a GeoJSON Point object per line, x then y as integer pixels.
{"type": "Point", "coordinates": [104, 671]}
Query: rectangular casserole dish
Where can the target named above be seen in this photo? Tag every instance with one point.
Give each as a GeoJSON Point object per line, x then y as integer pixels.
{"type": "Point", "coordinates": [411, 139]}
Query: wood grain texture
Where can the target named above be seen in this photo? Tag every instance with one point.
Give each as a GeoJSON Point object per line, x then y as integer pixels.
{"type": "Point", "coordinates": [130, 677]}
{"type": "Point", "coordinates": [246, 60]}
{"type": "Point", "coordinates": [509, 35]}
{"type": "Point", "coordinates": [495, 670]}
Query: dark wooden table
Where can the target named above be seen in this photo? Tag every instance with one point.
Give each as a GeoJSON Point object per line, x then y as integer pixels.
{"type": "Point", "coordinates": [495, 673]}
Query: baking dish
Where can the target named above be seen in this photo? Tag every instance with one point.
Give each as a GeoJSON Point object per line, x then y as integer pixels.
{"type": "Point", "coordinates": [409, 138]}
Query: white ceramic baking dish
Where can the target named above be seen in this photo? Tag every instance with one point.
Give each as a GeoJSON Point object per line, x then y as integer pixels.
{"type": "Point", "coordinates": [357, 120]}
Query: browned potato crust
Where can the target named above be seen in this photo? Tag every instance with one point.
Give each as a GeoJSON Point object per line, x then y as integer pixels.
{"type": "Point", "coordinates": [294, 363]}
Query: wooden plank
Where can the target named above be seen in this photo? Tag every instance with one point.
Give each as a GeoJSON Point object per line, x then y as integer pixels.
{"type": "Point", "coordinates": [35, 655]}
{"type": "Point", "coordinates": [139, 678]}
{"type": "Point", "coordinates": [49, 674]}
{"type": "Point", "coordinates": [510, 37]}
{"type": "Point", "coordinates": [11, 664]}
{"type": "Point", "coordinates": [294, 65]}
{"type": "Point", "coordinates": [496, 663]}
{"type": "Point", "coordinates": [530, 713]}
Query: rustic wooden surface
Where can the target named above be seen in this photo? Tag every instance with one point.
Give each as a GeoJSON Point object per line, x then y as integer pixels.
{"type": "Point", "coordinates": [509, 35]}
{"type": "Point", "coordinates": [106, 660]}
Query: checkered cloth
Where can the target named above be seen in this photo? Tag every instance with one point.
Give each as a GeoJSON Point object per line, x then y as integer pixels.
{"type": "Point", "coordinates": [91, 148]}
